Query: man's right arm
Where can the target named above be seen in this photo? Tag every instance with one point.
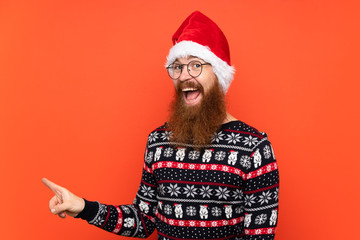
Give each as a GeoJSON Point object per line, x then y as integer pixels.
{"type": "Point", "coordinates": [135, 220]}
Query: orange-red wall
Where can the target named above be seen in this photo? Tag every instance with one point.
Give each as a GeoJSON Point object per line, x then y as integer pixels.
{"type": "Point", "coordinates": [82, 83]}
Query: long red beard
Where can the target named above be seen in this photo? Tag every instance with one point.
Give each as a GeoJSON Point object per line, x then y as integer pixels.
{"type": "Point", "coordinates": [197, 124]}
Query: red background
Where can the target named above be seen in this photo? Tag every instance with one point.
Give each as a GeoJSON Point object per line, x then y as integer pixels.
{"type": "Point", "coordinates": [82, 83]}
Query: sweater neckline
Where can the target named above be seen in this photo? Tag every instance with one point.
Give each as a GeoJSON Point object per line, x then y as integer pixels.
{"type": "Point", "coordinates": [224, 125]}
{"type": "Point", "coordinates": [231, 123]}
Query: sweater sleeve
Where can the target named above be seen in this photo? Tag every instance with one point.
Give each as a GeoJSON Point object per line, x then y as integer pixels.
{"type": "Point", "coordinates": [261, 193]}
{"type": "Point", "coordinates": [133, 220]}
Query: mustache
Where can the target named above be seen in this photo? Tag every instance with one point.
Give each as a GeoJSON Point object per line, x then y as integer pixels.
{"type": "Point", "coordinates": [189, 84]}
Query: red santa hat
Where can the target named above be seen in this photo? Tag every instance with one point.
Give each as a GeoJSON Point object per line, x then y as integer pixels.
{"type": "Point", "coordinates": [199, 36]}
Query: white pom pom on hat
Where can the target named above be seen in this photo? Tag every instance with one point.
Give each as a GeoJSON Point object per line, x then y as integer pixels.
{"type": "Point", "coordinates": [199, 36]}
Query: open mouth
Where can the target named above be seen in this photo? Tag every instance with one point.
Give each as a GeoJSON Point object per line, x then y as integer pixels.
{"type": "Point", "coordinates": [191, 95]}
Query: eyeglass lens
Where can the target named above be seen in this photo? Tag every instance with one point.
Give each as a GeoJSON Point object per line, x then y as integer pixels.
{"type": "Point", "coordinates": [194, 69]}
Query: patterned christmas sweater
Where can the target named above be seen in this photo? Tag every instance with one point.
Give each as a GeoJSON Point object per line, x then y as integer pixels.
{"type": "Point", "coordinates": [228, 190]}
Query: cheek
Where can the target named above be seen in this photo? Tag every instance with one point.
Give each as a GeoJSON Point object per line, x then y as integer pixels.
{"type": "Point", "coordinates": [207, 81]}
{"type": "Point", "coordinates": [208, 85]}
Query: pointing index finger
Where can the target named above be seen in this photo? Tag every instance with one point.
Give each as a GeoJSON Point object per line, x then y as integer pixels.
{"type": "Point", "coordinates": [52, 186]}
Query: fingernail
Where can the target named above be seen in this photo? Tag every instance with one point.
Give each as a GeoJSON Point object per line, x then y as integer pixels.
{"type": "Point", "coordinates": [53, 210]}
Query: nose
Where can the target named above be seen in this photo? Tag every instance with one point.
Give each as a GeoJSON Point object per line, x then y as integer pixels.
{"type": "Point", "coordinates": [184, 76]}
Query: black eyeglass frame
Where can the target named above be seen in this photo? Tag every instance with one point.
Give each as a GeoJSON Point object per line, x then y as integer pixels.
{"type": "Point", "coordinates": [188, 69]}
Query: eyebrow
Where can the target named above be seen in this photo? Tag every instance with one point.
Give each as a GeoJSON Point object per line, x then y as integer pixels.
{"type": "Point", "coordinates": [189, 58]}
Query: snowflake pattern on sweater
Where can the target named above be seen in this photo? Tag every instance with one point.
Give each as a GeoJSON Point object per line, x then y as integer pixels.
{"type": "Point", "coordinates": [229, 190]}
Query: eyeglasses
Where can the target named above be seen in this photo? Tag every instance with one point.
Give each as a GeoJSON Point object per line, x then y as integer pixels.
{"type": "Point", "coordinates": [194, 69]}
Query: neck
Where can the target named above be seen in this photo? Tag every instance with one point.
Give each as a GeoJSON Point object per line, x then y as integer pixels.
{"type": "Point", "coordinates": [229, 118]}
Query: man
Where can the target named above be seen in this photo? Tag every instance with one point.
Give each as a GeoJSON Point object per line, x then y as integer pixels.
{"type": "Point", "coordinates": [206, 174]}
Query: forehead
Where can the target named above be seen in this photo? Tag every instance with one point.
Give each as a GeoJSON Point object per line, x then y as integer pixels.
{"type": "Point", "coordinates": [187, 59]}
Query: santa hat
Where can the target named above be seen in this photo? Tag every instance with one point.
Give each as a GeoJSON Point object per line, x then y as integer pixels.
{"type": "Point", "coordinates": [199, 36]}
